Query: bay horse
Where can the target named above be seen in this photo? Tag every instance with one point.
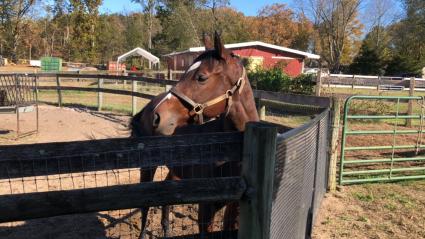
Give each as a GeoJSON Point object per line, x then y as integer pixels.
{"type": "Point", "coordinates": [218, 80]}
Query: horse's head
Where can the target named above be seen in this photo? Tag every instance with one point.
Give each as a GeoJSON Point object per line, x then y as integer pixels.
{"type": "Point", "coordinates": [142, 124]}
{"type": "Point", "coordinates": [215, 84]}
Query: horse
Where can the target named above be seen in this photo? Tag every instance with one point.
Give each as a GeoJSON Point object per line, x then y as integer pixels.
{"type": "Point", "coordinates": [218, 79]}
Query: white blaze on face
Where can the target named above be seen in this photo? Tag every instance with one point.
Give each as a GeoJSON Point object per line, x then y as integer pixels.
{"type": "Point", "coordinates": [167, 97]}
{"type": "Point", "coordinates": [194, 66]}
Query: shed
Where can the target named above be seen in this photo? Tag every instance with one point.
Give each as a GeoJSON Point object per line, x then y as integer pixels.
{"type": "Point", "coordinates": [153, 60]}
{"type": "Point", "coordinates": [260, 54]}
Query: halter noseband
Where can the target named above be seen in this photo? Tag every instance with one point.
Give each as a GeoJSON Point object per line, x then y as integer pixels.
{"type": "Point", "coordinates": [198, 109]}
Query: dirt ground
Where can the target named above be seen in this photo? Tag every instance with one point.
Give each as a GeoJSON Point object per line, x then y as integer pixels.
{"type": "Point", "coordinates": [375, 211]}
{"type": "Point", "coordinates": [66, 124]}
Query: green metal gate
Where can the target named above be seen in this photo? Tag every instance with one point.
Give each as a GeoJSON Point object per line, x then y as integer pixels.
{"type": "Point", "coordinates": [391, 166]}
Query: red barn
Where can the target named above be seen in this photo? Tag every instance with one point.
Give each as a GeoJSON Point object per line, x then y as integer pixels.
{"type": "Point", "coordinates": [260, 54]}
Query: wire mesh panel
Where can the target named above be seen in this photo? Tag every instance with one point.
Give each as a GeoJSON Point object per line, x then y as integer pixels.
{"type": "Point", "coordinates": [300, 178]}
{"type": "Point", "coordinates": [98, 182]}
{"type": "Point", "coordinates": [17, 90]}
{"type": "Point", "coordinates": [322, 163]}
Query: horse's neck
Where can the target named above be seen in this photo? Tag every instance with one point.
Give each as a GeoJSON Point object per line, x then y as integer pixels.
{"type": "Point", "coordinates": [244, 109]}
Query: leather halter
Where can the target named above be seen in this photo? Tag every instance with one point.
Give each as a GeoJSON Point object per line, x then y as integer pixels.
{"type": "Point", "coordinates": [198, 108]}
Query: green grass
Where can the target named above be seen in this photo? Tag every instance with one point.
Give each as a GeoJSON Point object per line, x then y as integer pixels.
{"type": "Point", "coordinates": [363, 197]}
{"type": "Point", "coordinates": [89, 100]}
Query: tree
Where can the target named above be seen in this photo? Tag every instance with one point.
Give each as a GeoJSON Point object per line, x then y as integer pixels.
{"type": "Point", "coordinates": [274, 24]}
{"type": "Point", "coordinates": [84, 16]}
{"type": "Point", "coordinates": [12, 13]}
{"type": "Point", "coordinates": [407, 39]}
{"type": "Point", "coordinates": [367, 62]}
{"type": "Point", "coordinates": [180, 25]}
{"type": "Point", "coordinates": [111, 39]}
{"type": "Point", "coordinates": [149, 7]}
{"type": "Point", "coordinates": [304, 33]}
{"type": "Point", "coordinates": [339, 29]}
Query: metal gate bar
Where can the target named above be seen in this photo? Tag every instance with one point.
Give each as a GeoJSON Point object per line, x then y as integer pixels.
{"type": "Point", "coordinates": [375, 175]}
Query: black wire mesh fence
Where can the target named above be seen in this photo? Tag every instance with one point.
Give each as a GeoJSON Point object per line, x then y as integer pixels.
{"type": "Point", "coordinates": [83, 177]}
{"type": "Point", "coordinates": [300, 178]}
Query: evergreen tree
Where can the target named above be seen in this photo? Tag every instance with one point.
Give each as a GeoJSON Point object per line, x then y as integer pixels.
{"type": "Point", "coordinates": [367, 62]}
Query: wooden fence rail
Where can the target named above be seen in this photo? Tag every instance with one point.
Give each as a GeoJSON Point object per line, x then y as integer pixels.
{"type": "Point", "coordinates": [20, 161]}
{"type": "Point", "coordinates": [55, 203]}
{"type": "Point", "coordinates": [310, 104]}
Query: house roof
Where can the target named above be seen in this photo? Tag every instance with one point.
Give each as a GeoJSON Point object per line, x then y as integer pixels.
{"type": "Point", "coordinates": [251, 44]}
{"type": "Point", "coordinates": [139, 52]}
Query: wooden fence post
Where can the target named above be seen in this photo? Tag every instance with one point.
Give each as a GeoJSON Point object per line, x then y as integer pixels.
{"type": "Point", "coordinates": [58, 86]}
{"type": "Point", "coordinates": [410, 104]}
{"type": "Point", "coordinates": [262, 112]}
{"type": "Point", "coordinates": [319, 82]}
{"type": "Point", "coordinates": [258, 171]}
{"type": "Point", "coordinates": [99, 94]}
{"type": "Point", "coordinates": [133, 98]}
{"type": "Point", "coordinates": [333, 150]}
{"type": "Point", "coordinates": [379, 82]}
{"type": "Point", "coordinates": [261, 109]}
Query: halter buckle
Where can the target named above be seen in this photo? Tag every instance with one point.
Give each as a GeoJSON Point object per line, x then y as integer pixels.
{"type": "Point", "coordinates": [198, 109]}
{"type": "Point", "coordinates": [229, 93]}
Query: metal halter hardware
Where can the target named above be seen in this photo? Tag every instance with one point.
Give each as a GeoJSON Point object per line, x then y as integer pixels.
{"type": "Point", "coordinates": [198, 109]}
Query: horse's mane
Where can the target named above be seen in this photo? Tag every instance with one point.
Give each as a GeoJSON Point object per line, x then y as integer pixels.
{"type": "Point", "coordinates": [135, 125]}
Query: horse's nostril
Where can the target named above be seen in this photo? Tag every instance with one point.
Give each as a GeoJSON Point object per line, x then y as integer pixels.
{"type": "Point", "coordinates": [156, 120]}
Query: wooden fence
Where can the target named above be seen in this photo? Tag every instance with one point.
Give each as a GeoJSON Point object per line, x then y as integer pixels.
{"type": "Point", "coordinates": [377, 82]}
{"type": "Point", "coordinates": [23, 161]}
{"type": "Point", "coordinates": [292, 102]}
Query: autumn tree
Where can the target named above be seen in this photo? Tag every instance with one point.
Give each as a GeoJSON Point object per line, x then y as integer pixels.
{"type": "Point", "coordinates": [303, 38]}
{"type": "Point", "coordinates": [274, 24]}
{"type": "Point", "coordinates": [339, 29]}
{"type": "Point", "coordinates": [12, 14]}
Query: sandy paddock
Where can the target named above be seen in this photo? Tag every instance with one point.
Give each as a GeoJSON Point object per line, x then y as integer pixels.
{"type": "Point", "coordinates": [66, 124]}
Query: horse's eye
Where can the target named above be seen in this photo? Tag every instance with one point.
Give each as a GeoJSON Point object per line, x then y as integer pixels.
{"type": "Point", "coordinates": [202, 78]}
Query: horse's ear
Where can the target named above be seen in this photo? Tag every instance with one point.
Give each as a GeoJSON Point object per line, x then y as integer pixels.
{"type": "Point", "coordinates": [207, 42]}
{"type": "Point", "coordinates": [219, 47]}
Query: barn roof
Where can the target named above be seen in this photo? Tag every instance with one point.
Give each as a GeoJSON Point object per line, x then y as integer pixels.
{"type": "Point", "coordinates": [252, 44]}
{"type": "Point", "coordinates": [139, 52]}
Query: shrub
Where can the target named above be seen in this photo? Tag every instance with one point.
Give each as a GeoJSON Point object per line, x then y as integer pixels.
{"type": "Point", "coordinates": [303, 84]}
{"type": "Point", "coordinates": [270, 80]}
{"type": "Point", "coordinates": [276, 80]}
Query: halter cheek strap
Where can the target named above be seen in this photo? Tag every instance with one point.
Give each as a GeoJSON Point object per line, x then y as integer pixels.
{"type": "Point", "coordinates": [198, 109]}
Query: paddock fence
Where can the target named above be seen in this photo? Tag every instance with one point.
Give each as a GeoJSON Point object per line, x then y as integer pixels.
{"type": "Point", "coordinates": [380, 83]}
{"type": "Point", "coordinates": [94, 188]}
